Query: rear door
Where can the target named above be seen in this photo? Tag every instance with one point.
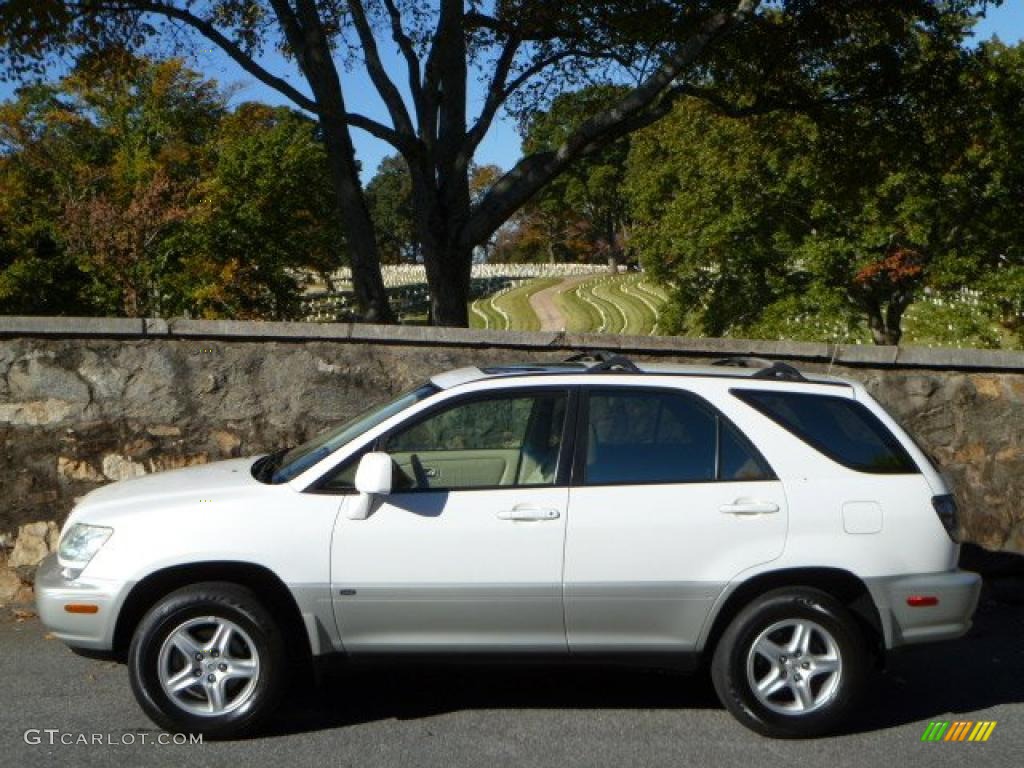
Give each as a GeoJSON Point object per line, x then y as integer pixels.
{"type": "Point", "coordinates": [669, 502]}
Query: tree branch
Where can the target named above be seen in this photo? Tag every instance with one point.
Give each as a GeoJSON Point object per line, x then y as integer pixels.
{"type": "Point", "coordinates": [378, 75]}
{"type": "Point", "coordinates": [412, 61]}
{"type": "Point", "coordinates": [247, 63]}
{"type": "Point", "coordinates": [214, 35]}
{"type": "Point", "coordinates": [497, 94]}
{"type": "Point", "coordinates": [479, 20]}
{"type": "Point", "coordinates": [639, 107]}
{"type": "Point", "coordinates": [495, 98]}
{"type": "Point", "coordinates": [760, 106]}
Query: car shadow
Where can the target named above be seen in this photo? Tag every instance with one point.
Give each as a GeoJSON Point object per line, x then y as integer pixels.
{"type": "Point", "coordinates": [954, 679]}
{"type": "Point", "coordinates": [948, 680]}
{"type": "Point", "coordinates": [361, 694]}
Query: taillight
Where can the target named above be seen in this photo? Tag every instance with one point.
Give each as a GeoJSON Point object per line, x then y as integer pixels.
{"type": "Point", "coordinates": [945, 508]}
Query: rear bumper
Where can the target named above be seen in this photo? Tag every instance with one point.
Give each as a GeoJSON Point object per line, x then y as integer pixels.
{"type": "Point", "coordinates": [956, 593]}
{"type": "Point", "coordinates": [89, 631]}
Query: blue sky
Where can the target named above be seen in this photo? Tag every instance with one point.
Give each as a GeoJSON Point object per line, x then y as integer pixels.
{"type": "Point", "coordinates": [502, 145]}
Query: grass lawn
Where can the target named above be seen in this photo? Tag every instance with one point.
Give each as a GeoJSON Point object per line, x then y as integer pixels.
{"type": "Point", "coordinates": [510, 310]}
{"type": "Point", "coordinates": [606, 304]}
{"type": "Point", "coordinates": [611, 304]}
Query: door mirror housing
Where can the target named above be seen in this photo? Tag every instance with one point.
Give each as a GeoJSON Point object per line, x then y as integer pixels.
{"type": "Point", "coordinates": [374, 474]}
{"type": "Point", "coordinates": [373, 478]}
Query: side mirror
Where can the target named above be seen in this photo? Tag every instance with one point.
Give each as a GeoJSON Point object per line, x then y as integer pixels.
{"type": "Point", "coordinates": [374, 474]}
{"type": "Point", "coordinates": [373, 478]}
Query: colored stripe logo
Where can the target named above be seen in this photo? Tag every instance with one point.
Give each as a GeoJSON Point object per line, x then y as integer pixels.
{"type": "Point", "coordinates": [959, 730]}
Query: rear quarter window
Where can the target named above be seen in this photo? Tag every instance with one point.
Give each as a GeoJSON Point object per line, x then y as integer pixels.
{"type": "Point", "coordinates": [843, 429]}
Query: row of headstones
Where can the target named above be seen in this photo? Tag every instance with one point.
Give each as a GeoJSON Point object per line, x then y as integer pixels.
{"type": "Point", "coordinates": [399, 275]}
{"type": "Point", "coordinates": [407, 300]}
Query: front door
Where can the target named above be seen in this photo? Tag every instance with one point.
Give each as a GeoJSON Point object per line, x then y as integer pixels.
{"type": "Point", "coordinates": [466, 553]}
{"type": "Point", "coordinates": [669, 503]}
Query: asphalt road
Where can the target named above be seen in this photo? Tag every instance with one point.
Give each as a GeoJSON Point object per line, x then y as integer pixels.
{"type": "Point", "coordinates": [515, 716]}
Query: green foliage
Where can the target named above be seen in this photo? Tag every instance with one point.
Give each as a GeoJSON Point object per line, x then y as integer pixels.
{"type": "Point", "coordinates": [827, 223]}
{"type": "Point", "coordinates": [753, 55]}
{"type": "Point", "coordinates": [266, 208]}
{"type": "Point", "coordinates": [583, 214]}
{"type": "Point", "coordinates": [96, 168]}
{"type": "Point", "coordinates": [389, 195]}
{"type": "Point", "coordinates": [129, 188]}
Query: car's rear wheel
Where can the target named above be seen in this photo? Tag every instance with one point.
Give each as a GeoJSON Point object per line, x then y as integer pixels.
{"type": "Point", "coordinates": [208, 659]}
{"type": "Point", "coordinates": [791, 664]}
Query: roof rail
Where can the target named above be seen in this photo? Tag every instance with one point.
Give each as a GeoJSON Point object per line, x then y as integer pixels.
{"type": "Point", "coordinates": [769, 369]}
{"type": "Point", "coordinates": [615, 363]}
{"type": "Point", "coordinates": [594, 356]}
{"type": "Point", "coordinates": [605, 361]}
{"type": "Point", "coordinates": [744, 361]}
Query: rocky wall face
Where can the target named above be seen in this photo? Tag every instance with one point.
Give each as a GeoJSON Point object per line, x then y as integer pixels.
{"type": "Point", "coordinates": [973, 426]}
{"type": "Point", "coordinates": [77, 413]}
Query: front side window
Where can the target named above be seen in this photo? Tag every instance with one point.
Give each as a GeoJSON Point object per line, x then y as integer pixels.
{"type": "Point", "coordinates": [841, 428]}
{"type": "Point", "coordinates": [647, 437]}
{"type": "Point", "coordinates": [285, 465]}
{"type": "Point", "coordinates": [492, 442]}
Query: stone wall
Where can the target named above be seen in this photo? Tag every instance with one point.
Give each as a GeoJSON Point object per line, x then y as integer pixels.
{"type": "Point", "coordinates": [88, 401]}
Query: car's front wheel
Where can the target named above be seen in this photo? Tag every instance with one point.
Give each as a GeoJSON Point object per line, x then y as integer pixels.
{"type": "Point", "coordinates": [791, 664]}
{"type": "Point", "coordinates": [207, 659]}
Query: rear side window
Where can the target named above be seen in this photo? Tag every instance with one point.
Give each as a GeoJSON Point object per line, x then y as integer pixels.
{"type": "Point", "coordinates": [646, 437]}
{"type": "Point", "coordinates": [842, 429]}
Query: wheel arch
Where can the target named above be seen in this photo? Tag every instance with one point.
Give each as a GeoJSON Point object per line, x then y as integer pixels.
{"type": "Point", "coordinates": [267, 586]}
{"type": "Point", "coordinates": [841, 584]}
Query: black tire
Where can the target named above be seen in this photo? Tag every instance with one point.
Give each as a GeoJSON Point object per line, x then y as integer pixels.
{"type": "Point", "coordinates": [228, 604]}
{"type": "Point", "coordinates": [838, 692]}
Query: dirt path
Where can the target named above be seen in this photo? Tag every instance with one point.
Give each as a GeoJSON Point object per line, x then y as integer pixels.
{"type": "Point", "coordinates": [544, 303]}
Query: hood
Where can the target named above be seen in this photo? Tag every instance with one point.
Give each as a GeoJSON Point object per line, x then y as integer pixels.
{"type": "Point", "coordinates": [199, 482]}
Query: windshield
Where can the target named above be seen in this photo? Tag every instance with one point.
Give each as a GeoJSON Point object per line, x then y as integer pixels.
{"type": "Point", "coordinates": [286, 464]}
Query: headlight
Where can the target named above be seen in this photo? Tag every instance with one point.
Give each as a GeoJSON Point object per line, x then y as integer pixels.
{"type": "Point", "coordinates": [80, 543]}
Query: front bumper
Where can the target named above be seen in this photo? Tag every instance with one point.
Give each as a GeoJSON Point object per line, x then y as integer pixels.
{"type": "Point", "coordinates": [957, 594]}
{"type": "Point", "coordinates": [90, 631]}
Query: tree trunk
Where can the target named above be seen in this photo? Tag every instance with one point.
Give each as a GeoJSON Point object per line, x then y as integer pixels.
{"type": "Point", "coordinates": [367, 282]}
{"type": "Point", "coordinates": [614, 253]}
{"type": "Point", "coordinates": [885, 326]}
{"type": "Point", "coordinates": [448, 277]}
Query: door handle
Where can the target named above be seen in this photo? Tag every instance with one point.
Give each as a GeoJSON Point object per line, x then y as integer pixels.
{"type": "Point", "coordinates": [747, 507]}
{"type": "Point", "coordinates": [529, 513]}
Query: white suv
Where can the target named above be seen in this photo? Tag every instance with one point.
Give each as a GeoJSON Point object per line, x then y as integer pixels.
{"type": "Point", "coordinates": [781, 527]}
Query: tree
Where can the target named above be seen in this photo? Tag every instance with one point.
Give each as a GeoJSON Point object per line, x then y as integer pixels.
{"type": "Point", "coordinates": [733, 52]}
{"type": "Point", "coordinates": [990, 184]}
{"type": "Point", "coordinates": [820, 224]}
{"type": "Point", "coordinates": [587, 204]}
{"type": "Point", "coordinates": [264, 212]}
{"type": "Point", "coordinates": [389, 195]}
{"type": "Point", "coordinates": [129, 189]}
{"type": "Point", "coordinates": [116, 236]}
{"type": "Point", "coordinates": [719, 205]}
{"type": "Point", "coordinates": [105, 160]}
{"type": "Point", "coordinates": [36, 275]}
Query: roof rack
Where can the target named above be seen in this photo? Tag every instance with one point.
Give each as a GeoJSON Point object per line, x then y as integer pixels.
{"type": "Point", "coordinates": [594, 356]}
{"type": "Point", "coordinates": [769, 369]}
{"type": "Point", "coordinates": [605, 362]}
